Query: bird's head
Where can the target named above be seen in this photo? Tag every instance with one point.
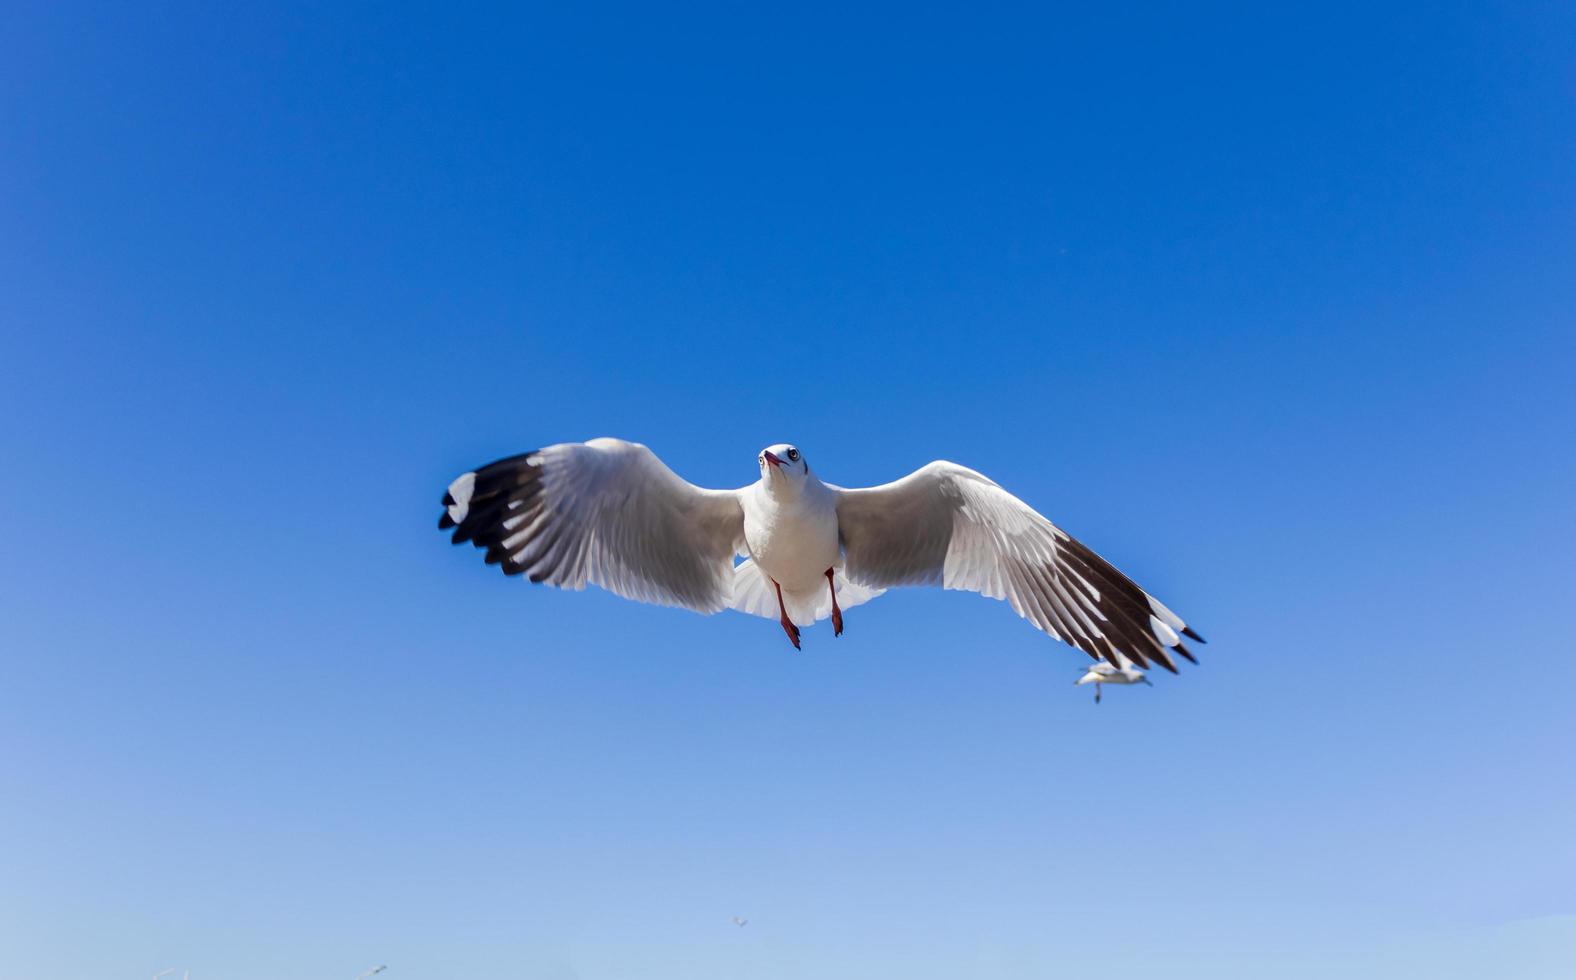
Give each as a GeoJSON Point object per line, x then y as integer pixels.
{"type": "Point", "coordinates": [783, 467]}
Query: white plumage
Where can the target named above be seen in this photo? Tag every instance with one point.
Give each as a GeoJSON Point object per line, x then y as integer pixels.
{"type": "Point", "coordinates": [608, 512]}
{"type": "Point", "coordinates": [1121, 672]}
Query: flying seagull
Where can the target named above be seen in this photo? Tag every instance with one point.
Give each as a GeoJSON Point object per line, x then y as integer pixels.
{"type": "Point", "coordinates": [1106, 673]}
{"type": "Point", "coordinates": [372, 972]}
{"type": "Point", "coordinates": [740, 921]}
{"type": "Point", "coordinates": [610, 513]}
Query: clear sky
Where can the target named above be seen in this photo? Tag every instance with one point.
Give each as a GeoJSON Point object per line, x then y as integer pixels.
{"type": "Point", "coordinates": [1271, 305]}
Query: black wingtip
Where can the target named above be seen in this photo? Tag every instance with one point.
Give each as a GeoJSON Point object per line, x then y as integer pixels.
{"type": "Point", "coordinates": [1188, 632]}
{"type": "Point", "coordinates": [493, 492]}
{"type": "Point", "coordinates": [1184, 651]}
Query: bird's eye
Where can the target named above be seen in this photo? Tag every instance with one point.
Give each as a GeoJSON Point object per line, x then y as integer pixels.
{"type": "Point", "coordinates": [793, 454]}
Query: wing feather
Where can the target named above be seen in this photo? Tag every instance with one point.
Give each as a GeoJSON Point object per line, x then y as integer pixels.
{"type": "Point", "coordinates": [947, 525]}
{"type": "Point", "coordinates": [607, 512]}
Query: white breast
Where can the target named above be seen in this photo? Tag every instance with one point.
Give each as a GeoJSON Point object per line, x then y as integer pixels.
{"type": "Point", "coordinates": [795, 540]}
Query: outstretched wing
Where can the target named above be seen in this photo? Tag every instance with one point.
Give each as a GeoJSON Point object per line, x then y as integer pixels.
{"type": "Point", "coordinates": [947, 525]}
{"type": "Point", "coordinates": [606, 512]}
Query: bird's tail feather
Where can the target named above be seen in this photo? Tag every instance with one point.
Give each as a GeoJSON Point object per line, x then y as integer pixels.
{"type": "Point", "coordinates": [754, 593]}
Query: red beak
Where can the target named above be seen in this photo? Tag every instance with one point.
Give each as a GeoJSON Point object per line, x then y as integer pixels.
{"type": "Point", "coordinates": [773, 459]}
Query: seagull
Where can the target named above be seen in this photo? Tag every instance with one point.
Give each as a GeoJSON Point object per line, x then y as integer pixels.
{"type": "Point", "coordinates": [740, 922]}
{"type": "Point", "coordinates": [610, 513]}
{"type": "Point", "coordinates": [367, 973]}
{"type": "Point", "coordinates": [1106, 673]}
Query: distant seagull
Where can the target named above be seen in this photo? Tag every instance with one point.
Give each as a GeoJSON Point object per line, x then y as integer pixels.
{"type": "Point", "coordinates": [1104, 673]}
{"type": "Point", "coordinates": [741, 923]}
{"type": "Point", "coordinates": [372, 972]}
{"type": "Point", "coordinates": [163, 973]}
{"type": "Point", "coordinates": [610, 513]}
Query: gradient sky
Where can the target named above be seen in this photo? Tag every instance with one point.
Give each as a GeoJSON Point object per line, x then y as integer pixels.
{"type": "Point", "coordinates": [1275, 308]}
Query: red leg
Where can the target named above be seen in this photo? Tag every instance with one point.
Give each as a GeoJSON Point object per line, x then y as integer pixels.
{"type": "Point", "coordinates": [837, 614]}
{"type": "Point", "coordinates": [788, 626]}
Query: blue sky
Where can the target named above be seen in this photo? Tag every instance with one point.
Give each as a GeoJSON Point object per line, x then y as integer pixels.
{"type": "Point", "coordinates": [1272, 307]}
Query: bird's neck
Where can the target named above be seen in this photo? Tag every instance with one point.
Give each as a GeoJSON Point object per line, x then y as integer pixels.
{"type": "Point", "coordinates": [791, 491]}
{"type": "Point", "coordinates": [783, 491]}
